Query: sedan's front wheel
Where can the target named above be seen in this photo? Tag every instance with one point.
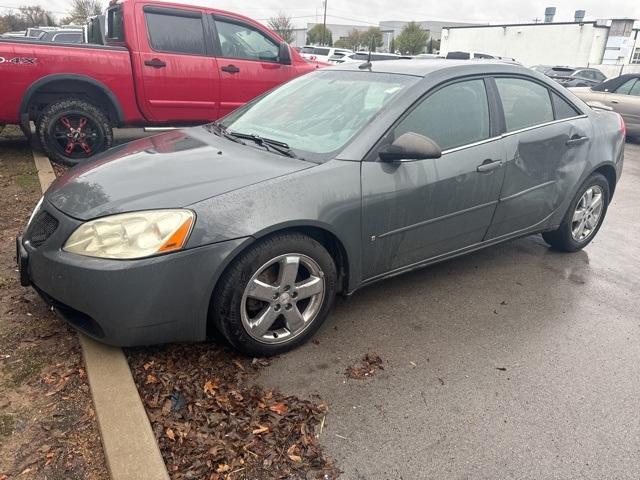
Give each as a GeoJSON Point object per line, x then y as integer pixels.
{"type": "Point", "coordinates": [275, 295]}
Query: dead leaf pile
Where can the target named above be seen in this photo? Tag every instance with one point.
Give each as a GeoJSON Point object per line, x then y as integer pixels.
{"type": "Point", "coordinates": [211, 422]}
{"type": "Point", "coordinates": [368, 367]}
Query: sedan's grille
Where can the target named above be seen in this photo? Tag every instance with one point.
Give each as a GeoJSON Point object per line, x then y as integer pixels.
{"type": "Point", "coordinates": [41, 228]}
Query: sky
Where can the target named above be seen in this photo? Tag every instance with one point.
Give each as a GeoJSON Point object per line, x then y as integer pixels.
{"type": "Point", "coordinates": [372, 11]}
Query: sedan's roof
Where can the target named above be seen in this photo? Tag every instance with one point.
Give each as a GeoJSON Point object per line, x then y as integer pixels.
{"type": "Point", "coordinates": [422, 67]}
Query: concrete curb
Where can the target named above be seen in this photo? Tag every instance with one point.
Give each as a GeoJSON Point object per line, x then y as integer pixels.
{"type": "Point", "coordinates": [129, 445]}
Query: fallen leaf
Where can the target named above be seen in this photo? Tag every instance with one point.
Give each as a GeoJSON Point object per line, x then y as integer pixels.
{"type": "Point", "coordinates": [151, 379]}
{"type": "Point", "coordinates": [211, 386]}
{"type": "Point", "coordinates": [279, 408]}
{"type": "Point", "coordinates": [295, 458]}
{"type": "Point", "coordinates": [260, 430]}
{"type": "Point", "coordinates": [222, 468]}
{"type": "Point", "coordinates": [171, 434]}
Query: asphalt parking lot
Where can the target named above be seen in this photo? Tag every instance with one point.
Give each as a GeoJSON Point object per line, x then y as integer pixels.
{"type": "Point", "coordinates": [514, 362]}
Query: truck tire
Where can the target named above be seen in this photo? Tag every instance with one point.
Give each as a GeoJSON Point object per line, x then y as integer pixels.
{"type": "Point", "coordinates": [71, 131]}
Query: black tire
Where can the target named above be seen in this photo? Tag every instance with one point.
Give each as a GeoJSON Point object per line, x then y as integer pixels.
{"type": "Point", "coordinates": [226, 302]}
{"type": "Point", "coordinates": [562, 239]}
{"type": "Point", "coordinates": [51, 123]}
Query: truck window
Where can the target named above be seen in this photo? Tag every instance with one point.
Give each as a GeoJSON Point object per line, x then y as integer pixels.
{"type": "Point", "coordinates": [175, 33]}
{"type": "Point", "coordinates": [238, 40]}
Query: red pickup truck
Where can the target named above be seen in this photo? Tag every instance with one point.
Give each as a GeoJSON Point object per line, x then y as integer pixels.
{"type": "Point", "coordinates": [163, 64]}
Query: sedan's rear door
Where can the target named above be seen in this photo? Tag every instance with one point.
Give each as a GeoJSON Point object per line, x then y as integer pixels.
{"type": "Point", "coordinates": [547, 141]}
{"type": "Point", "coordinates": [415, 211]}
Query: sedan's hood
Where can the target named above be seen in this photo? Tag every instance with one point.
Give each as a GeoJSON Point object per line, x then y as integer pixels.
{"type": "Point", "coordinates": [170, 170]}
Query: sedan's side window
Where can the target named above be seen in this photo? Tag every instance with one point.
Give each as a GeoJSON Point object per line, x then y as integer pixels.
{"type": "Point", "coordinates": [625, 88]}
{"type": "Point", "coordinates": [525, 103]}
{"type": "Point", "coordinates": [243, 42]}
{"type": "Point", "coordinates": [453, 116]}
{"type": "Point", "coordinates": [635, 90]}
{"type": "Point", "coordinates": [562, 108]}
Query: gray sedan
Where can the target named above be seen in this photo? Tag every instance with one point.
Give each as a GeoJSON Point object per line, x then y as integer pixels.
{"type": "Point", "coordinates": [335, 180]}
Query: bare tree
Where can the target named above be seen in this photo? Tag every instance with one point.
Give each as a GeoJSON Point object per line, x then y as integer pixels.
{"type": "Point", "coordinates": [281, 24]}
{"type": "Point", "coordinates": [81, 10]}
{"type": "Point", "coordinates": [36, 16]}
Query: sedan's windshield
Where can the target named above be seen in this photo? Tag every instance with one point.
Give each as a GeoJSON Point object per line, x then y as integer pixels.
{"type": "Point", "coordinates": [317, 114]}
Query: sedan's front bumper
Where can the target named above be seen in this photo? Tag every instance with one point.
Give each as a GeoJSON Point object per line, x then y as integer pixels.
{"type": "Point", "coordinates": [127, 302]}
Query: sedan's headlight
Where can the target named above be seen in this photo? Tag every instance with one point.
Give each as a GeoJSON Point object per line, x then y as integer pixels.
{"type": "Point", "coordinates": [132, 235]}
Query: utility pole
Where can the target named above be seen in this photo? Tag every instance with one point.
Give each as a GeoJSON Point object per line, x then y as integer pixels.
{"type": "Point", "coordinates": [324, 21]}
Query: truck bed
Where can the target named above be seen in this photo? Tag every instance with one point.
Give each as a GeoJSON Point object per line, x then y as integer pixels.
{"type": "Point", "coordinates": [25, 63]}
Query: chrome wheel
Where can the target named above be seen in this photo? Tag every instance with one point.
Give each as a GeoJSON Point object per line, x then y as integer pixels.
{"type": "Point", "coordinates": [282, 298]}
{"type": "Point", "coordinates": [587, 214]}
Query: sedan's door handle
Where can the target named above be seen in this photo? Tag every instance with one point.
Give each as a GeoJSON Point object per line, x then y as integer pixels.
{"type": "Point", "coordinates": [576, 140]}
{"type": "Point", "coordinates": [489, 165]}
{"type": "Point", "coordinates": [230, 69]}
{"type": "Point", "coordinates": [614, 101]}
{"type": "Point", "coordinates": [155, 63]}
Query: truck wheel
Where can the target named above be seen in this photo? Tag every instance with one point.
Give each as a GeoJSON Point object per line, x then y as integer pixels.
{"type": "Point", "coordinates": [71, 131]}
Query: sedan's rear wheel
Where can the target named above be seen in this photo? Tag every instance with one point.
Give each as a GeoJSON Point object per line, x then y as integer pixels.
{"type": "Point", "coordinates": [275, 295]}
{"type": "Point", "coordinates": [584, 217]}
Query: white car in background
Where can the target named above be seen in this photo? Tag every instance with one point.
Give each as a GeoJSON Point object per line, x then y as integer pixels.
{"type": "Point", "coordinates": [362, 56]}
{"type": "Point", "coordinates": [322, 54]}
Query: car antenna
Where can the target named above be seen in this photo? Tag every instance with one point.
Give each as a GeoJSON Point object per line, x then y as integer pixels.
{"type": "Point", "coordinates": [367, 65]}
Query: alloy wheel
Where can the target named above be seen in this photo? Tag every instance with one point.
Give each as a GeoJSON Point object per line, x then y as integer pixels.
{"type": "Point", "coordinates": [587, 213]}
{"type": "Point", "coordinates": [77, 136]}
{"type": "Point", "coordinates": [282, 298]}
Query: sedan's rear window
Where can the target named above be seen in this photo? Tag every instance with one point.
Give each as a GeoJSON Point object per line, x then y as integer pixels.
{"type": "Point", "coordinates": [318, 113]}
{"type": "Point", "coordinates": [525, 103]}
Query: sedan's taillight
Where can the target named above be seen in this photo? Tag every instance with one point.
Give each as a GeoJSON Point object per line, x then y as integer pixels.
{"type": "Point", "coordinates": [623, 127]}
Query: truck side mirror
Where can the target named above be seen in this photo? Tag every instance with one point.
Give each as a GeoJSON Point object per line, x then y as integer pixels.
{"type": "Point", "coordinates": [284, 55]}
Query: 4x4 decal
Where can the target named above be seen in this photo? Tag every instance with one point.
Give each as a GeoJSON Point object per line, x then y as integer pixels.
{"type": "Point", "coordinates": [19, 60]}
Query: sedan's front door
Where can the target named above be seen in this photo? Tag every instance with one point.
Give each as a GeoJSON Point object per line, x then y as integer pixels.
{"type": "Point", "coordinates": [418, 210]}
{"type": "Point", "coordinates": [626, 101]}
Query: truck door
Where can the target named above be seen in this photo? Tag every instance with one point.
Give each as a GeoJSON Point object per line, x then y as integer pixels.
{"type": "Point", "coordinates": [177, 76]}
{"type": "Point", "coordinates": [248, 62]}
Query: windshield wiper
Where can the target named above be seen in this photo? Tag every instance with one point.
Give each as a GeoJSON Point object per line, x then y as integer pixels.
{"type": "Point", "coordinates": [218, 129]}
{"type": "Point", "coordinates": [268, 143]}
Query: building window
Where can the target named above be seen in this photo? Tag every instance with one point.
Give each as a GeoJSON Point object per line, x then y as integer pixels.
{"type": "Point", "coordinates": [636, 57]}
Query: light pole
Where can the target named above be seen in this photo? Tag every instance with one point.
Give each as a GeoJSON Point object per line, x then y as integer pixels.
{"type": "Point", "coordinates": [324, 21]}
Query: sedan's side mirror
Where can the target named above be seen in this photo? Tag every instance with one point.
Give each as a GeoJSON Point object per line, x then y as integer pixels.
{"type": "Point", "coordinates": [284, 54]}
{"type": "Point", "coordinates": [410, 146]}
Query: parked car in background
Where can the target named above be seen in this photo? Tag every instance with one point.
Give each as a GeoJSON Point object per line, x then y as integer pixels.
{"type": "Point", "coordinates": [251, 226]}
{"type": "Point", "coordinates": [18, 34]}
{"type": "Point", "coordinates": [322, 54]}
{"type": "Point", "coordinates": [63, 36]}
{"type": "Point", "coordinates": [571, 76]}
{"type": "Point", "coordinates": [468, 56]}
{"type": "Point", "coordinates": [163, 64]}
{"type": "Point", "coordinates": [363, 56]}
{"type": "Point", "coordinates": [621, 94]}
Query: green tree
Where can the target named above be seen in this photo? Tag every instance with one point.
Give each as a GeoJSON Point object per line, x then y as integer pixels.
{"type": "Point", "coordinates": [281, 24]}
{"type": "Point", "coordinates": [81, 10]}
{"type": "Point", "coordinates": [371, 39]}
{"type": "Point", "coordinates": [412, 40]}
{"type": "Point", "coordinates": [314, 35]}
{"type": "Point", "coordinates": [341, 43]}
